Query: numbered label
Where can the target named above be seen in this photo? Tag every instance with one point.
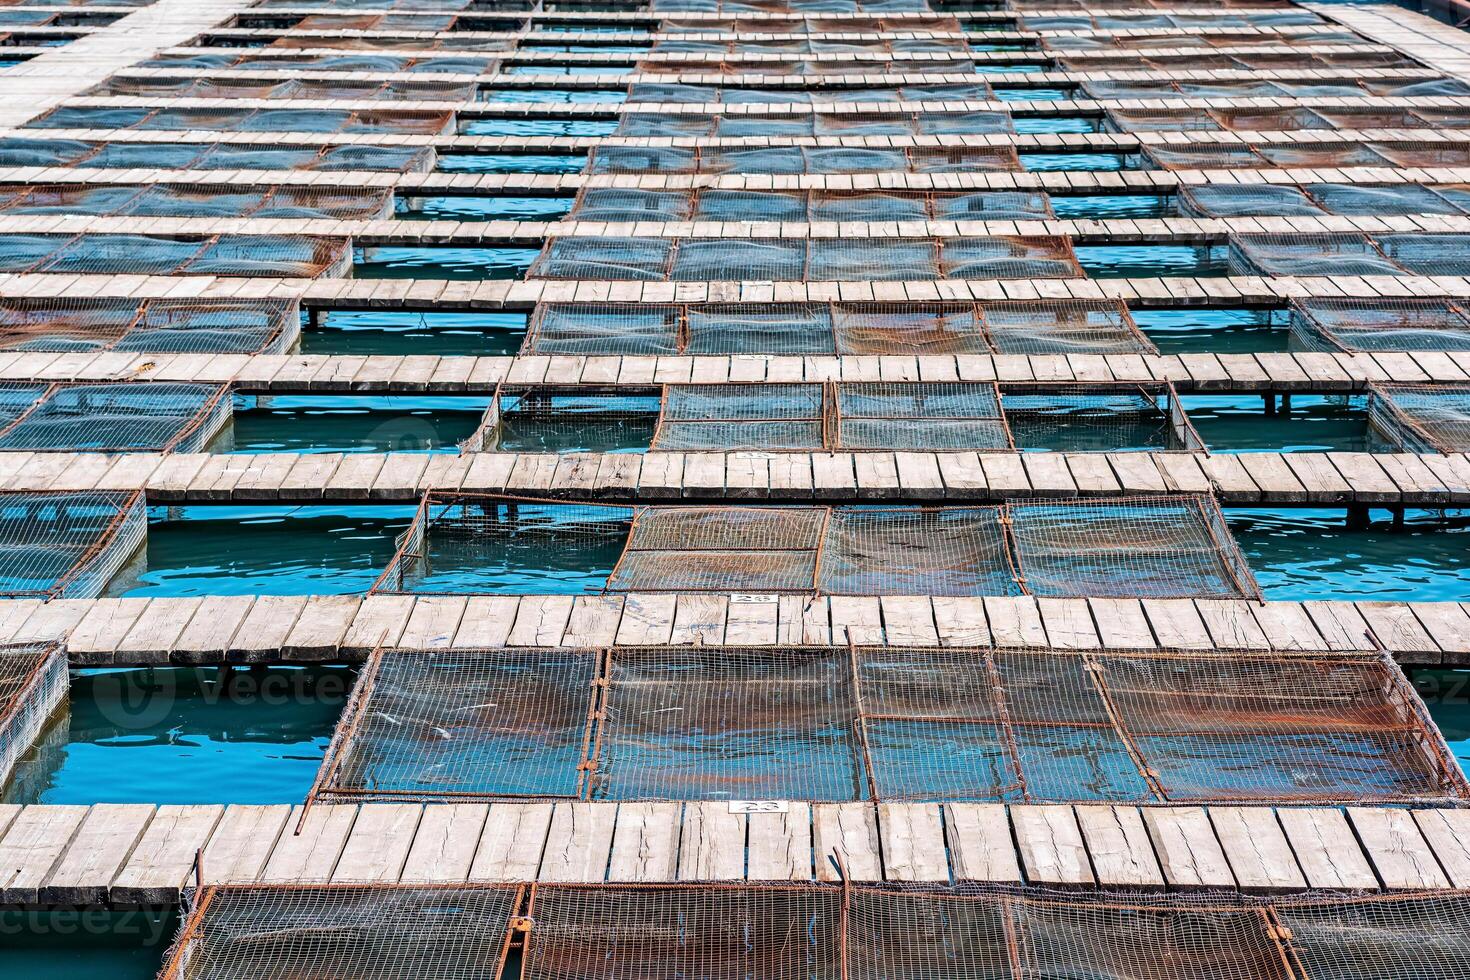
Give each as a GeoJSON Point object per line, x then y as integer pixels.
{"type": "Point", "coordinates": [758, 806]}
{"type": "Point", "coordinates": [753, 597]}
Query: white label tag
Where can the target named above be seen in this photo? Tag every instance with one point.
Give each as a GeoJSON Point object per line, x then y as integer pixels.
{"type": "Point", "coordinates": [752, 455]}
{"type": "Point", "coordinates": [751, 357]}
{"type": "Point", "coordinates": [752, 597]}
{"type": "Point", "coordinates": [758, 806]}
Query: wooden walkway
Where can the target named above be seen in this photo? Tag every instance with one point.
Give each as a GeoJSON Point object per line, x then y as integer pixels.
{"type": "Point", "coordinates": [128, 854]}
{"type": "Point", "coordinates": [1335, 479]}
{"type": "Point", "coordinates": [315, 629]}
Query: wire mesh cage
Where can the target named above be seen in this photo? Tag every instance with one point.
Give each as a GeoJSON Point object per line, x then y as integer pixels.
{"type": "Point", "coordinates": [1098, 418]}
{"type": "Point", "coordinates": [267, 87]}
{"type": "Point", "coordinates": [67, 544]}
{"type": "Point", "coordinates": [810, 931]}
{"type": "Point", "coordinates": [1002, 327]}
{"type": "Point", "coordinates": [805, 260]}
{"type": "Point", "coordinates": [1219, 201]}
{"type": "Point", "coordinates": [1348, 325]}
{"type": "Point", "coordinates": [217, 255]}
{"type": "Point", "coordinates": [801, 160]}
{"type": "Point", "coordinates": [1420, 418]}
{"type": "Point", "coordinates": [372, 932]}
{"type": "Point", "coordinates": [400, 122]}
{"type": "Point", "coordinates": [821, 120]}
{"type": "Point", "coordinates": [709, 204]}
{"type": "Point", "coordinates": [205, 155]}
{"type": "Point", "coordinates": [1349, 254]}
{"type": "Point", "coordinates": [150, 326]}
{"type": "Point", "coordinates": [131, 416]}
{"type": "Point", "coordinates": [167, 200]}
{"type": "Point", "coordinates": [1171, 546]}
{"type": "Point", "coordinates": [34, 684]}
{"type": "Point", "coordinates": [834, 724]}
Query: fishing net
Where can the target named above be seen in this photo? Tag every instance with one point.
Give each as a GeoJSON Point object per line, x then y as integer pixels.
{"type": "Point", "coordinates": [216, 255]}
{"type": "Point", "coordinates": [820, 122]}
{"type": "Point", "coordinates": [708, 204]}
{"type": "Point", "coordinates": [1157, 547]}
{"type": "Point", "coordinates": [923, 724]}
{"type": "Point", "coordinates": [1332, 325]}
{"type": "Point", "coordinates": [370, 932]}
{"type": "Point", "coordinates": [1421, 418]}
{"type": "Point", "coordinates": [143, 416]}
{"type": "Point", "coordinates": [33, 685]}
{"type": "Point", "coordinates": [1349, 254]}
{"type": "Point", "coordinates": [1032, 327]}
{"type": "Point", "coordinates": [190, 120]}
{"type": "Point", "coordinates": [1206, 156]}
{"type": "Point", "coordinates": [158, 200]}
{"type": "Point", "coordinates": [930, 416]}
{"type": "Point", "coordinates": [801, 160]}
{"type": "Point", "coordinates": [266, 60]}
{"type": "Point", "coordinates": [67, 544]}
{"type": "Point", "coordinates": [17, 152]}
{"type": "Point", "coordinates": [415, 90]}
{"type": "Point", "coordinates": [805, 260]}
{"type": "Point", "coordinates": [721, 549]}
{"type": "Point", "coordinates": [1098, 418]}
{"type": "Point", "coordinates": [741, 416]}
{"type": "Point", "coordinates": [151, 326]}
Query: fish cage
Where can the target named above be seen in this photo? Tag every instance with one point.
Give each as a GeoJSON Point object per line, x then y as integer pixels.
{"type": "Point", "coordinates": [1351, 325]}
{"type": "Point", "coordinates": [157, 255]}
{"type": "Point", "coordinates": [33, 687]}
{"type": "Point", "coordinates": [1412, 418]}
{"type": "Point", "coordinates": [1286, 200]}
{"type": "Point", "coordinates": [653, 93]}
{"type": "Point", "coordinates": [1349, 254]}
{"type": "Point", "coordinates": [817, 70]}
{"type": "Point", "coordinates": [616, 204]}
{"type": "Point", "coordinates": [1033, 327]}
{"type": "Point", "coordinates": [92, 155]}
{"type": "Point", "coordinates": [1167, 546]}
{"type": "Point", "coordinates": [167, 200]}
{"type": "Point", "coordinates": [149, 326]}
{"type": "Point", "coordinates": [870, 43]}
{"type": "Point", "coordinates": [811, 930]}
{"type": "Point", "coordinates": [814, 123]}
{"type": "Point", "coordinates": [266, 87]}
{"type": "Point", "coordinates": [841, 417]}
{"type": "Point", "coordinates": [799, 160]}
{"type": "Point", "coordinates": [862, 723]}
{"type": "Point", "coordinates": [806, 260]}
{"type": "Point", "coordinates": [116, 417]}
{"type": "Point", "coordinates": [1206, 156]}
{"type": "Point", "coordinates": [388, 122]}
{"type": "Point", "coordinates": [67, 544]}
{"type": "Point", "coordinates": [381, 64]}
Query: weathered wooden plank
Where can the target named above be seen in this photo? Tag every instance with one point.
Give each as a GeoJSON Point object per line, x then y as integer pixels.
{"type": "Point", "coordinates": [1259, 854]}
{"type": "Point", "coordinates": [445, 842]}
{"type": "Point", "coordinates": [1051, 845]}
{"type": "Point", "coordinates": [779, 845]}
{"type": "Point", "coordinates": [1118, 844]}
{"type": "Point", "coordinates": [980, 845]}
{"type": "Point", "coordinates": [578, 842]}
{"type": "Point", "coordinates": [310, 854]}
{"type": "Point", "coordinates": [1325, 848]}
{"type": "Point", "coordinates": [242, 843]}
{"type": "Point", "coordinates": [645, 843]}
{"type": "Point", "coordinates": [512, 843]}
{"type": "Point", "coordinates": [96, 853]}
{"type": "Point", "coordinates": [1448, 834]}
{"type": "Point", "coordinates": [379, 843]}
{"type": "Point", "coordinates": [849, 832]}
{"type": "Point", "coordinates": [1189, 853]}
{"type": "Point", "coordinates": [1396, 848]}
{"type": "Point", "coordinates": [711, 843]}
{"type": "Point", "coordinates": [33, 845]}
{"type": "Point", "coordinates": [913, 842]}
{"type": "Point", "coordinates": [164, 858]}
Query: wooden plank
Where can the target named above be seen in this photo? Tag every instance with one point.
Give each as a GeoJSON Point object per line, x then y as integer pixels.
{"type": "Point", "coordinates": [379, 843]}
{"type": "Point", "coordinates": [96, 853]}
{"type": "Point", "coordinates": [242, 843]}
{"type": "Point", "coordinates": [445, 843]}
{"type": "Point", "coordinates": [980, 844]}
{"type": "Point", "coordinates": [310, 854]}
{"type": "Point", "coordinates": [913, 842]}
{"type": "Point", "coordinates": [33, 845]}
{"type": "Point", "coordinates": [1189, 853]}
{"type": "Point", "coordinates": [848, 831]}
{"type": "Point", "coordinates": [1396, 848]}
{"type": "Point", "coordinates": [1118, 844]}
{"type": "Point", "coordinates": [1255, 845]}
{"type": "Point", "coordinates": [779, 845]}
{"type": "Point", "coordinates": [711, 843]}
{"type": "Point", "coordinates": [164, 858]}
{"type": "Point", "coordinates": [578, 842]}
{"type": "Point", "coordinates": [1051, 845]}
{"type": "Point", "coordinates": [1325, 848]}
{"type": "Point", "coordinates": [645, 843]}
{"type": "Point", "coordinates": [1448, 834]}
{"type": "Point", "coordinates": [512, 843]}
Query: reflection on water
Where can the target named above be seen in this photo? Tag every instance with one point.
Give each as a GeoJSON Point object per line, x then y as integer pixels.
{"type": "Point", "coordinates": [1151, 261]}
{"type": "Point", "coordinates": [1447, 695]}
{"type": "Point", "coordinates": [395, 332]}
{"type": "Point", "coordinates": [1316, 423]}
{"type": "Point", "coordinates": [353, 423]}
{"type": "Point", "coordinates": [1196, 330]}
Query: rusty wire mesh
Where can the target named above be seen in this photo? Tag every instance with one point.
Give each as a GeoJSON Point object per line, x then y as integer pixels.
{"type": "Point", "coordinates": [1286, 200]}
{"type": "Point", "coordinates": [66, 544]}
{"type": "Point", "coordinates": [1379, 324]}
{"type": "Point", "coordinates": [1414, 418]}
{"type": "Point", "coordinates": [400, 122]}
{"type": "Point", "coordinates": [171, 200]}
{"type": "Point", "coordinates": [34, 684]}
{"type": "Point", "coordinates": [207, 155]}
{"type": "Point", "coordinates": [923, 724]}
{"type": "Point", "coordinates": [629, 204]}
{"type": "Point", "coordinates": [116, 417]}
{"type": "Point", "coordinates": [217, 255]}
{"type": "Point", "coordinates": [798, 159]}
{"type": "Point", "coordinates": [267, 87]}
{"type": "Point", "coordinates": [149, 326]}
{"type": "Point", "coordinates": [820, 121]}
{"type": "Point", "coordinates": [1349, 254]}
{"type": "Point", "coordinates": [1157, 547]}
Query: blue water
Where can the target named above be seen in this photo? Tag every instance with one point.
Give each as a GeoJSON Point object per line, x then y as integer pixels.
{"type": "Point", "coordinates": [511, 163]}
{"type": "Point", "coordinates": [566, 96]}
{"type": "Point", "coordinates": [482, 208]}
{"type": "Point", "coordinates": [266, 550]}
{"type": "Point", "coordinates": [441, 262]}
{"type": "Point", "coordinates": [354, 423]}
{"type": "Point", "coordinates": [537, 127]}
{"type": "Point", "coordinates": [1108, 206]}
{"type": "Point", "coordinates": [186, 735]}
{"type": "Point", "coordinates": [85, 944]}
{"type": "Point", "coordinates": [1316, 423]}
{"type": "Point", "coordinates": [1195, 330]}
{"type": "Point", "coordinates": [1149, 261]}
{"type": "Point", "coordinates": [412, 332]}
{"type": "Point", "coordinates": [1075, 161]}
{"type": "Point", "coordinates": [1057, 124]}
{"type": "Point", "coordinates": [1447, 695]}
{"type": "Point", "coordinates": [1311, 554]}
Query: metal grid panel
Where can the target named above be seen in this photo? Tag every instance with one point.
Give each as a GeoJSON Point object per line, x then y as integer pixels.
{"type": "Point", "coordinates": [142, 416]}
{"type": "Point", "coordinates": [1331, 325]}
{"type": "Point", "coordinates": [34, 684]}
{"type": "Point", "coordinates": [67, 544]}
{"type": "Point", "coordinates": [1421, 418]}
{"type": "Point", "coordinates": [218, 255]}
{"type": "Point", "coordinates": [168, 200]}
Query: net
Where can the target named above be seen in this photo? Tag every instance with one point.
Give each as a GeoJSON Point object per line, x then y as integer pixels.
{"type": "Point", "coordinates": [805, 260]}
{"type": "Point", "coordinates": [266, 87]}
{"type": "Point", "coordinates": [67, 544]}
{"type": "Point", "coordinates": [268, 60]}
{"type": "Point", "coordinates": [801, 160]}
{"type": "Point", "coordinates": [1156, 547]}
{"type": "Point", "coordinates": [1343, 254]}
{"type": "Point", "coordinates": [1421, 418]}
{"type": "Point", "coordinates": [921, 724]}
{"type": "Point", "coordinates": [216, 255]}
{"type": "Point", "coordinates": [141, 416]}
{"type": "Point", "coordinates": [1098, 418]}
{"type": "Point", "coordinates": [812, 931]}
{"type": "Point", "coordinates": [34, 685]}
{"type": "Point", "coordinates": [185, 201]}
{"type": "Point", "coordinates": [1032, 327]}
{"type": "Point", "coordinates": [151, 326]}
{"type": "Point", "coordinates": [118, 155]}
{"type": "Point", "coordinates": [1219, 201]}
{"type": "Point", "coordinates": [1333, 325]}
{"type": "Point", "coordinates": [190, 120]}
{"type": "Point", "coordinates": [370, 932]}
{"type": "Point", "coordinates": [936, 121]}
{"type": "Point", "coordinates": [629, 204]}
